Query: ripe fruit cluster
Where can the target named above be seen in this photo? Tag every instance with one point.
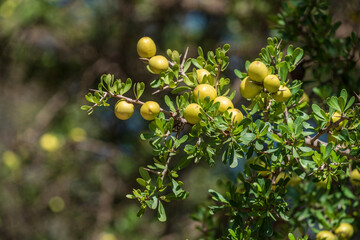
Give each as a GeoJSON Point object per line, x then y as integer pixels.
{"type": "Point", "coordinates": [146, 48]}
{"type": "Point", "coordinates": [206, 91]}
{"type": "Point", "coordinates": [343, 231]}
{"type": "Point", "coordinates": [259, 79]}
{"type": "Point", "coordinates": [124, 110]}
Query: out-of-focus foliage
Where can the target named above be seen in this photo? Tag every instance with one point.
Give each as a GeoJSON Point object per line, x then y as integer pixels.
{"type": "Point", "coordinates": [332, 51]}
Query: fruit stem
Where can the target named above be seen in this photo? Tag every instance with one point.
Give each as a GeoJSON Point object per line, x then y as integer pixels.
{"type": "Point", "coordinates": [129, 100]}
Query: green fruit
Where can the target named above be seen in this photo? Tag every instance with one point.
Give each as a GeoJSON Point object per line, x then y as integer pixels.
{"type": "Point", "coordinates": [225, 103]}
{"type": "Point", "coordinates": [325, 235]}
{"type": "Point", "coordinates": [282, 95]}
{"type": "Point", "coordinates": [236, 115]}
{"type": "Point", "coordinates": [56, 204]}
{"type": "Point", "coordinates": [257, 71]}
{"type": "Point", "coordinates": [201, 73]}
{"type": "Point", "coordinates": [191, 113]}
{"type": "Point", "coordinates": [158, 64]}
{"type": "Point", "coordinates": [150, 110]}
{"type": "Point", "coordinates": [146, 47]}
{"type": "Point", "coordinates": [249, 89]}
{"type": "Point", "coordinates": [271, 83]}
{"type": "Point", "coordinates": [344, 231]}
{"type": "Point", "coordinates": [355, 177]}
{"type": "Point", "coordinates": [123, 110]}
{"type": "Point", "coordinates": [204, 90]}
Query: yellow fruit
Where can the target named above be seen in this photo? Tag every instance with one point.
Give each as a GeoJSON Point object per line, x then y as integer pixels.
{"type": "Point", "coordinates": [11, 160]}
{"type": "Point", "coordinates": [325, 235]}
{"type": "Point", "coordinates": [146, 47]}
{"type": "Point", "coordinates": [236, 115]}
{"type": "Point", "coordinates": [355, 177]}
{"type": "Point", "coordinates": [344, 231]}
{"type": "Point", "coordinates": [200, 73]}
{"type": "Point", "coordinates": [108, 236]}
{"type": "Point", "coordinates": [150, 110]}
{"type": "Point", "coordinates": [225, 103]}
{"type": "Point", "coordinates": [204, 90]}
{"type": "Point", "coordinates": [158, 64]}
{"type": "Point", "coordinates": [257, 71]}
{"type": "Point", "coordinates": [56, 204]}
{"type": "Point", "coordinates": [249, 89]}
{"type": "Point", "coordinates": [282, 95]}
{"type": "Point", "coordinates": [78, 134]}
{"type": "Point", "coordinates": [191, 113]}
{"type": "Point", "coordinates": [305, 98]}
{"type": "Point", "coordinates": [123, 110]}
{"type": "Point", "coordinates": [335, 117]}
{"type": "Point", "coordinates": [271, 83]}
{"type": "Point", "coordinates": [49, 142]}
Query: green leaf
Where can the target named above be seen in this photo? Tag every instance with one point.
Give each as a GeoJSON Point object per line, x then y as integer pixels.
{"type": "Point", "coordinates": [350, 103]}
{"type": "Point", "coordinates": [200, 52]}
{"type": "Point", "coordinates": [283, 71]}
{"type": "Point", "coordinates": [318, 111]}
{"type": "Point", "coordinates": [127, 86]}
{"type": "Point", "coordinates": [276, 138]}
{"type": "Point", "coordinates": [176, 188]}
{"type": "Point", "coordinates": [217, 196]}
{"type": "Point", "coordinates": [333, 103]}
{"type": "Point", "coordinates": [180, 89]}
{"type": "Point", "coordinates": [161, 212]}
{"type": "Point", "coordinates": [141, 181]}
{"type": "Point", "coordinates": [144, 174]}
{"type": "Point", "coordinates": [169, 103]}
{"type": "Point", "coordinates": [85, 107]}
{"type": "Point", "coordinates": [226, 47]}
{"type": "Point", "coordinates": [291, 236]}
{"type": "Point", "coordinates": [140, 87]}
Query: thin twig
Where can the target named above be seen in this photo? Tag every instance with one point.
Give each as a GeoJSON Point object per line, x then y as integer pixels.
{"type": "Point", "coordinates": [218, 76]}
{"type": "Point", "coordinates": [130, 100]}
{"type": "Point", "coordinates": [166, 87]}
{"type": "Point", "coordinates": [327, 129]}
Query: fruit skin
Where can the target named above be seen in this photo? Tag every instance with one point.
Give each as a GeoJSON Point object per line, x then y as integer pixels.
{"type": "Point", "coordinates": [146, 47]}
{"type": "Point", "coordinates": [204, 90]}
{"type": "Point", "coordinates": [305, 98]}
{"type": "Point", "coordinates": [282, 95]}
{"type": "Point", "coordinates": [344, 231]}
{"type": "Point", "coordinates": [236, 116]}
{"type": "Point", "coordinates": [249, 89]}
{"type": "Point", "coordinates": [225, 103]}
{"type": "Point", "coordinates": [271, 83]}
{"type": "Point", "coordinates": [158, 64]}
{"type": "Point", "coordinates": [355, 177]}
{"type": "Point", "coordinates": [200, 73]}
{"type": "Point", "coordinates": [123, 110]}
{"type": "Point", "coordinates": [336, 116]}
{"type": "Point", "coordinates": [325, 235]}
{"type": "Point", "coordinates": [257, 71]}
{"type": "Point", "coordinates": [191, 113]}
{"type": "Point", "coordinates": [50, 142]}
{"type": "Point", "coordinates": [150, 110]}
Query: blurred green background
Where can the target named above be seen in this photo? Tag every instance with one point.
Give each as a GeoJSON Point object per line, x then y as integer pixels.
{"type": "Point", "coordinates": [63, 174]}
